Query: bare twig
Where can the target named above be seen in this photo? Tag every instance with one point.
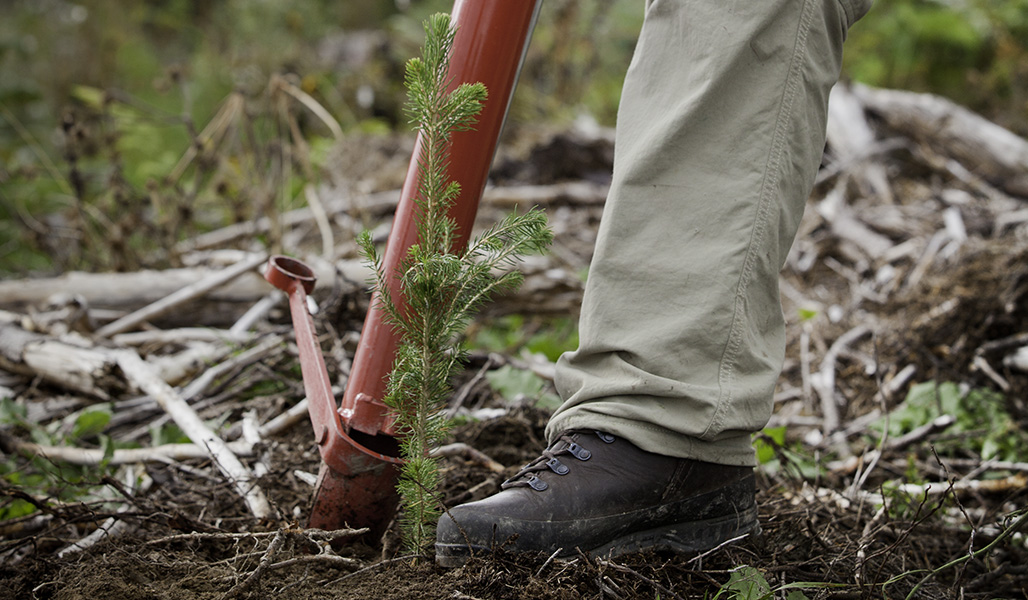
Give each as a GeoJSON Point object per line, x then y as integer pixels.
{"type": "Point", "coordinates": [314, 534]}
{"type": "Point", "coordinates": [476, 456]}
{"type": "Point", "coordinates": [121, 456]}
{"type": "Point", "coordinates": [824, 383]}
{"type": "Point", "coordinates": [181, 296]}
{"type": "Point", "coordinates": [263, 565]}
{"type": "Point", "coordinates": [111, 527]}
{"type": "Point", "coordinates": [254, 314]}
{"type": "Point", "coordinates": [284, 421]}
{"type": "Point", "coordinates": [141, 374]}
{"type": "Point", "coordinates": [626, 569]}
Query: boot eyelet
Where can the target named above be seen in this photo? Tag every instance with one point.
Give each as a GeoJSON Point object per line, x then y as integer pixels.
{"type": "Point", "coordinates": [537, 484]}
{"type": "Point", "coordinates": [557, 467]}
{"type": "Point", "coordinates": [606, 437]}
{"type": "Point", "coordinates": [579, 452]}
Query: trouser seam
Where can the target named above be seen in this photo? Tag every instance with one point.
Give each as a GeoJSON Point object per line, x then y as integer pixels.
{"type": "Point", "coordinates": [769, 185]}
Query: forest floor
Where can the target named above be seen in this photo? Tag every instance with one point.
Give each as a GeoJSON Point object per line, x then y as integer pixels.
{"type": "Point", "coordinates": [921, 323]}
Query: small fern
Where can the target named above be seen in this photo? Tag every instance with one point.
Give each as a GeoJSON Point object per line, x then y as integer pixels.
{"type": "Point", "coordinates": [441, 289]}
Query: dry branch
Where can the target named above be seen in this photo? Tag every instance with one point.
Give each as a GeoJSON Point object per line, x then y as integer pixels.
{"type": "Point", "coordinates": [181, 296]}
{"type": "Point", "coordinates": [142, 375]}
{"type": "Point", "coordinates": [471, 454]}
{"type": "Point", "coordinates": [546, 290]}
{"type": "Point", "coordinates": [93, 457]}
{"type": "Point", "coordinates": [854, 144]}
{"type": "Point", "coordinates": [824, 381]}
{"type": "Point", "coordinates": [75, 366]}
{"type": "Point", "coordinates": [129, 291]}
{"type": "Point", "coordinates": [985, 148]}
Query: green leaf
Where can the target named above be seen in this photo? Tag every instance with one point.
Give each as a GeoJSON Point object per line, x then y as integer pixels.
{"type": "Point", "coordinates": [107, 444]}
{"type": "Point", "coordinates": [16, 508]}
{"type": "Point", "coordinates": [510, 382]}
{"type": "Point", "coordinates": [91, 422]}
{"type": "Point", "coordinates": [169, 433]}
{"type": "Point", "coordinates": [11, 412]}
{"type": "Point", "coordinates": [90, 96]}
{"type": "Point", "coordinates": [766, 451]}
{"type": "Point", "coordinates": [748, 583]}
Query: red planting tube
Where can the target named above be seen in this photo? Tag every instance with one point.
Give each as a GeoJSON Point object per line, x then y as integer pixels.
{"type": "Point", "coordinates": [489, 46]}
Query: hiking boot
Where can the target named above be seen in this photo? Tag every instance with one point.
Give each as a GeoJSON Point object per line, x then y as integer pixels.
{"type": "Point", "coordinates": [605, 496]}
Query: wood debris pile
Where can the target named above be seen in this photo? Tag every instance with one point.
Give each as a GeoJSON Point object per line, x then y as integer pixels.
{"type": "Point", "coordinates": [911, 267]}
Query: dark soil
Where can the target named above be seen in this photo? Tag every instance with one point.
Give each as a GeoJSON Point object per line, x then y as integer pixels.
{"type": "Point", "coordinates": [846, 550]}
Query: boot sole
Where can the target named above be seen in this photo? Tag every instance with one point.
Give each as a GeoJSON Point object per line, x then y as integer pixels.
{"type": "Point", "coordinates": [691, 536]}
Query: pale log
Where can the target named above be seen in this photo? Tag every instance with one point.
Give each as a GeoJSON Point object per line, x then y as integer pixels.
{"type": "Point", "coordinates": [987, 149]}
{"type": "Point", "coordinates": [142, 375]}
{"type": "Point", "coordinates": [72, 366]}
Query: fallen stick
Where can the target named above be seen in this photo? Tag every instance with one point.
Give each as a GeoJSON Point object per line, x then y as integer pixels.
{"type": "Point", "coordinates": [174, 368]}
{"type": "Point", "coordinates": [122, 456]}
{"type": "Point", "coordinates": [851, 464]}
{"type": "Point", "coordinates": [313, 534]}
{"type": "Point", "coordinates": [853, 142]}
{"type": "Point", "coordinates": [242, 326]}
{"type": "Point", "coordinates": [982, 146]}
{"type": "Point", "coordinates": [179, 335]}
{"type": "Point", "coordinates": [383, 203]}
{"type": "Point", "coordinates": [991, 465]}
{"type": "Point", "coordinates": [72, 366]}
{"type": "Point", "coordinates": [297, 413]}
{"type": "Point", "coordinates": [824, 383]}
{"type": "Point", "coordinates": [250, 356]}
{"type": "Point", "coordinates": [1014, 482]}
{"type": "Point", "coordinates": [110, 295]}
{"type": "Point", "coordinates": [142, 375]}
{"type": "Point", "coordinates": [380, 202]}
{"type": "Point", "coordinates": [255, 575]}
{"type": "Point", "coordinates": [183, 295]}
{"type": "Point", "coordinates": [475, 456]}
{"type": "Point", "coordinates": [195, 387]}
{"type": "Point", "coordinates": [111, 527]}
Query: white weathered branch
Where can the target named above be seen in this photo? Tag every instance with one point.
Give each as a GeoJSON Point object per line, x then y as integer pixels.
{"type": "Point", "coordinates": [141, 374]}
{"type": "Point", "coordinates": [982, 146]}
{"type": "Point", "coordinates": [123, 456]}
{"type": "Point", "coordinates": [181, 296]}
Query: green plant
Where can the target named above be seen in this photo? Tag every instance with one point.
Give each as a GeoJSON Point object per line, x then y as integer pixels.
{"type": "Point", "coordinates": [510, 383]}
{"type": "Point", "coordinates": [748, 583]}
{"type": "Point", "coordinates": [774, 454]}
{"type": "Point", "coordinates": [972, 51]}
{"type": "Point", "coordinates": [982, 424]}
{"type": "Point", "coordinates": [510, 334]}
{"type": "Point", "coordinates": [53, 481]}
{"type": "Point", "coordinates": [440, 289]}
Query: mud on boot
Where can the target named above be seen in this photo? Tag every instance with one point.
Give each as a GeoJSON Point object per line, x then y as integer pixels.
{"type": "Point", "coordinates": [593, 491]}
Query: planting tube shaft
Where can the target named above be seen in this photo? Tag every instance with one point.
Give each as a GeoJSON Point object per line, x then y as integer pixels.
{"type": "Point", "coordinates": [489, 46]}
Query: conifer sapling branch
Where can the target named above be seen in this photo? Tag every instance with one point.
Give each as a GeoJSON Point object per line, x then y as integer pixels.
{"type": "Point", "coordinates": [441, 289]}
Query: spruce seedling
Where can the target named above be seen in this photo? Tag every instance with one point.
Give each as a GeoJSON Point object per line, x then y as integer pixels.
{"type": "Point", "coordinates": [442, 287]}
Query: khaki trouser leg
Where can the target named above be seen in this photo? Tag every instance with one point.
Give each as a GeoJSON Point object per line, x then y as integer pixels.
{"type": "Point", "coordinates": [719, 135]}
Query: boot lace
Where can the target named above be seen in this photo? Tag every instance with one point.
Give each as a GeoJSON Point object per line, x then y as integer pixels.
{"type": "Point", "coordinates": [550, 459]}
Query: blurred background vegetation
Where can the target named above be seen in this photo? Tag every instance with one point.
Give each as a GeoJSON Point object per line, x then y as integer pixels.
{"type": "Point", "coordinates": [127, 125]}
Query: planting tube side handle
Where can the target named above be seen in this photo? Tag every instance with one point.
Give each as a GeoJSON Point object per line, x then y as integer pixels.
{"type": "Point", "coordinates": [356, 484]}
{"type": "Point", "coordinates": [336, 446]}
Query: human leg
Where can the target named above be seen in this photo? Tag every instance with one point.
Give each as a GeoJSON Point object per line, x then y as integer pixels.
{"type": "Point", "coordinates": [720, 133]}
